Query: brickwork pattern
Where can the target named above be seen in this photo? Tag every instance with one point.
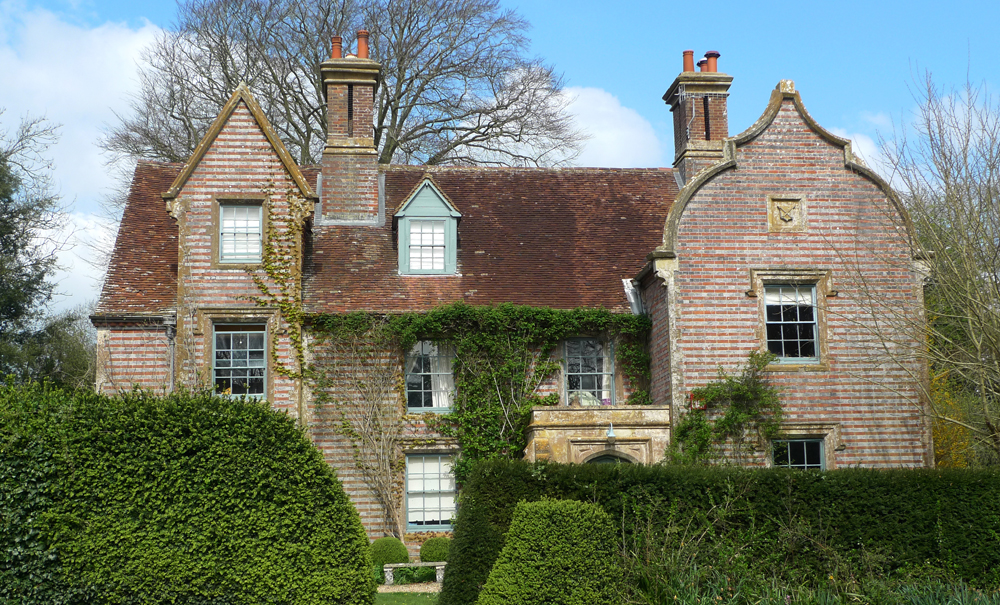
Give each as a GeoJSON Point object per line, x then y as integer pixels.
{"type": "Point", "coordinates": [130, 355]}
{"type": "Point", "coordinates": [241, 164]}
{"type": "Point", "coordinates": [724, 232]}
{"type": "Point", "coordinates": [654, 299]}
{"type": "Point", "coordinates": [350, 171]}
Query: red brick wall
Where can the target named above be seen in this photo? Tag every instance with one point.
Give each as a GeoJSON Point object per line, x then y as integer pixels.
{"type": "Point", "coordinates": [240, 164]}
{"type": "Point", "coordinates": [724, 232]}
{"type": "Point", "coordinates": [349, 189]}
{"type": "Point", "coordinates": [132, 355]}
{"type": "Point", "coordinates": [654, 299]}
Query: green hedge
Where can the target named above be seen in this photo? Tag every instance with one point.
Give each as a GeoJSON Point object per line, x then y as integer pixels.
{"type": "Point", "coordinates": [183, 499]}
{"type": "Point", "coordinates": [905, 517]}
{"type": "Point", "coordinates": [559, 552]}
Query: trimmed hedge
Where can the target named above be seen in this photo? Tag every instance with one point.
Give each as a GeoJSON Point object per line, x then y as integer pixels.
{"type": "Point", "coordinates": [908, 517]}
{"type": "Point", "coordinates": [557, 551]}
{"type": "Point", "coordinates": [435, 550]}
{"type": "Point", "coordinates": [184, 499]}
{"type": "Point", "coordinates": [388, 549]}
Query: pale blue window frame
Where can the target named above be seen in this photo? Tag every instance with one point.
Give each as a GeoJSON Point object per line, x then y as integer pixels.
{"type": "Point", "coordinates": [239, 360]}
{"type": "Point", "coordinates": [419, 245]}
{"type": "Point", "coordinates": [428, 377]}
{"type": "Point", "coordinates": [241, 233]}
{"type": "Point", "coordinates": [791, 322]}
{"type": "Point", "coordinates": [430, 492]}
{"type": "Point", "coordinates": [590, 372]}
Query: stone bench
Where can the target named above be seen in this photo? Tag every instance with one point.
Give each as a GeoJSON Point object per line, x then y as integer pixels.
{"type": "Point", "coordinates": [390, 568]}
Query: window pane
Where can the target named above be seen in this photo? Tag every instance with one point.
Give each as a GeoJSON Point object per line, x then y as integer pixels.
{"type": "Point", "coordinates": [589, 372]}
{"type": "Point", "coordinates": [430, 490]}
{"type": "Point", "coordinates": [790, 321]}
{"type": "Point", "coordinates": [240, 362]}
{"type": "Point", "coordinates": [240, 233]}
{"type": "Point", "coordinates": [429, 381]}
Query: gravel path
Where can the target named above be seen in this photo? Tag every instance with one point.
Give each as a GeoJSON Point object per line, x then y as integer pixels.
{"type": "Point", "coordinates": [422, 587]}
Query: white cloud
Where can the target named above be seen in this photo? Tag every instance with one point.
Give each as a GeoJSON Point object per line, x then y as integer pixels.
{"type": "Point", "coordinates": [78, 279]}
{"type": "Point", "coordinates": [867, 149]}
{"type": "Point", "coordinates": [619, 136]}
{"type": "Point", "coordinates": [77, 76]}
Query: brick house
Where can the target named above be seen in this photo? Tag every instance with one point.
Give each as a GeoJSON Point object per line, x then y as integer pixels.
{"type": "Point", "coordinates": [769, 240]}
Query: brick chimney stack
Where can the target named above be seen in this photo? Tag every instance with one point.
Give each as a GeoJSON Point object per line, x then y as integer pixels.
{"type": "Point", "coordinates": [349, 179]}
{"type": "Point", "coordinates": [698, 102]}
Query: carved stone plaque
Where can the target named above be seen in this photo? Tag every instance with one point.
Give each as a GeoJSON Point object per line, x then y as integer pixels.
{"type": "Point", "coordinates": [786, 213]}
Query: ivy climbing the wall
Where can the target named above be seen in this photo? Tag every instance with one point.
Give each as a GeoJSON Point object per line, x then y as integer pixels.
{"type": "Point", "coordinates": [733, 415]}
{"type": "Point", "coordinates": [503, 354]}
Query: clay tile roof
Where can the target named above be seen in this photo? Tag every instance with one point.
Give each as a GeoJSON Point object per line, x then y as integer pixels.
{"type": "Point", "coordinates": [142, 276]}
{"type": "Point", "coordinates": [561, 238]}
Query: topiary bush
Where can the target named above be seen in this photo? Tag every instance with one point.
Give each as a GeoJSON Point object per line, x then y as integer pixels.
{"type": "Point", "coordinates": [435, 550]}
{"type": "Point", "coordinates": [388, 549]}
{"type": "Point", "coordinates": [188, 498]}
{"type": "Point", "coordinates": [559, 552]}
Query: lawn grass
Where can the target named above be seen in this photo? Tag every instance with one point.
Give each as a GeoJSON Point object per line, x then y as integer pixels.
{"type": "Point", "coordinates": [406, 598]}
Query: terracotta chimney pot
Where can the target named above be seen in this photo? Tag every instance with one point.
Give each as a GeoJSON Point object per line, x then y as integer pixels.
{"type": "Point", "coordinates": [338, 47]}
{"type": "Point", "coordinates": [713, 60]}
{"type": "Point", "coordinates": [702, 64]}
{"type": "Point", "coordinates": [362, 43]}
{"type": "Point", "coordinates": [689, 60]}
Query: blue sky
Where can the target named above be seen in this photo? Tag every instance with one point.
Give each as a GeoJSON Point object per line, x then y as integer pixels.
{"type": "Point", "coordinates": [855, 64]}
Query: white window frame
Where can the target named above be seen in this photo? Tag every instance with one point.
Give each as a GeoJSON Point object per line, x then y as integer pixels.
{"type": "Point", "coordinates": [589, 385]}
{"type": "Point", "coordinates": [785, 326]}
{"type": "Point", "coordinates": [430, 492]}
{"type": "Point", "coordinates": [428, 377]}
{"type": "Point", "coordinates": [428, 247]}
{"type": "Point", "coordinates": [241, 357]}
{"type": "Point", "coordinates": [241, 228]}
{"type": "Point", "coordinates": [810, 460]}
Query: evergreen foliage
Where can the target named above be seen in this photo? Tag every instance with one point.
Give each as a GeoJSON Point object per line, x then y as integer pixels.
{"type": "Point", "coordinates": [797, 525]}
{"type": "Point", "coordinates": [435, 550]}
{"type": "Point", "coordinates": [502, 354]}
{"type": "Point", "coordinates": [732, 415]}
{"type": "Point", "coordinates": [387, 550]}
{"type": "Point", "coordinates": [188, 498]}
{"type": "Point", "coordinates": [559, 552]}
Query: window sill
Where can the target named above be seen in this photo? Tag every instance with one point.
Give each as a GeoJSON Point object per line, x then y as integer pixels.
{"type": "Point", "coordinates": [416, 529]}
{"type": "Point", "coordinates": [816, 366]}
{"type": "Point", "coordinates": [419, 411]}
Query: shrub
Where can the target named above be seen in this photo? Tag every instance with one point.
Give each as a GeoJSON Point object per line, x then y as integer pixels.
{"type": "Point", "coordinates": [800, 527]}
{"type": "Point", "coordinates": [388, 550]}
{"type": "Point", "coordinates": [557, 551]}
{"type": "Point", "coordinates": [188, 498]}
{"type": "Point", "coordinates": [435, 550]}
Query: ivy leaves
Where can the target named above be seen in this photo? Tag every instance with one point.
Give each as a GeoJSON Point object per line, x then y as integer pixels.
{"type": "Point", "coordinates": [503, 354]}
{"type": "Point", "coordinates": [739, 411]}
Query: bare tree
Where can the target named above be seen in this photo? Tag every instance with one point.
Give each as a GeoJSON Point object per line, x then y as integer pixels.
{"type": "Point", "coordinates": [457, 87]}
{"type": "Point", "coordinates": [948, 171]}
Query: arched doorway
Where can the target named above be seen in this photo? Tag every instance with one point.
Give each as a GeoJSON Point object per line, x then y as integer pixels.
{"type": "Point", "coordinates": [607, 458]}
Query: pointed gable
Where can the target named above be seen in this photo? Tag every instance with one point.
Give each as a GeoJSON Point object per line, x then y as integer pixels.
{"type": "Point", "coordinates": [240, 96]}
{"type": "Point", "coordinates": [427, 199]}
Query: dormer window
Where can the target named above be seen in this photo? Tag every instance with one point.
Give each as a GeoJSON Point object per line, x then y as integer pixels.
{"type": "Point", "coordinates": [427, 227]}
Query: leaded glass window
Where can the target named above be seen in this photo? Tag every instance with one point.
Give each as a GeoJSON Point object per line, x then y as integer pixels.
{"type": "Point", "coordinates": [589, 372]}
{"type": "Point", "coordinates": [240, 366]}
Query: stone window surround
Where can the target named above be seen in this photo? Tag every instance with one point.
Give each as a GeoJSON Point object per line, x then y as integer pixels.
{"type": "Point", "coordinates": [217, 204]}
{"type": "Point", "coordinates": [823, 282]}
{"type": "Point", "coordinates": [202, 324]}
{"type": "Point", "coordinates": [827, 432]}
